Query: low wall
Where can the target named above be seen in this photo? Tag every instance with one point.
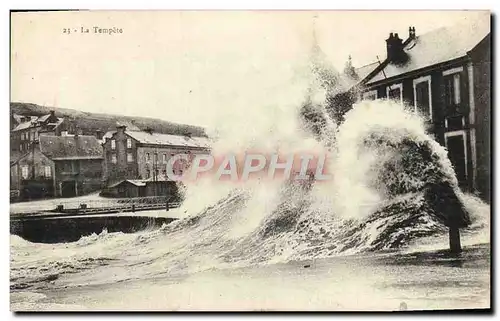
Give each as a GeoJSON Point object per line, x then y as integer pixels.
{"type": "Point", "coordinates": [71, 229]}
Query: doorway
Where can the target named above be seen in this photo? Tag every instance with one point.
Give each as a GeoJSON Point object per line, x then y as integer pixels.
{"type": "Point", "coordinates": [68, 189]}
{"type": "Point", "coordinates": [456, 144]}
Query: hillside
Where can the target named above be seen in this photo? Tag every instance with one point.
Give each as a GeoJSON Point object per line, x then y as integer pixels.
{"type": "Point", "coordinates": [89, 123]}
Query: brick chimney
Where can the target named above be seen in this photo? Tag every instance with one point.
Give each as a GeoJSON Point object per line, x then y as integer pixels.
{"type": "Point", "coordinates": [411, 33]}
{"type": "Point", "coordinates": [395, 52]}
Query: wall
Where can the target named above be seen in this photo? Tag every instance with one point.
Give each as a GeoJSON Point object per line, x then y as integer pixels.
{"type": "Point", "coordinates": [481, 59]}
{"type": "Point", "coordinates": [437, 125]}
{"type": "Point", "coordinates": [86, 173]}
{"type": "Point", "coordinates": [122, 169]}
{"type": "Point", "coordinates": [36, 163]}
{"type": "Point", "coordinates": [144, 165]}
{"type": "Point", "coordinates": [16, 138]}
{"type": "Point", "coordinates": [71, 229]}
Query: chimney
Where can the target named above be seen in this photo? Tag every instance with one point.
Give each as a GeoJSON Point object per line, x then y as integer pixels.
{"type": "Point", "coordinates": [99, 134]}
{"type": "Point", "coordinates": [52, 113]}
{"type": "Point", "coordinates": [149, 130]}
{"type": "Point", "coordinates": [411, 33]}
{"type": "Point", "coordinates": [395, 52]}
{"type": "Point", "coordinates": [189, 134]}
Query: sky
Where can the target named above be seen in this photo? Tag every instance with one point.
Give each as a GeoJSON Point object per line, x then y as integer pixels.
{"type": "Point", "coordinates": [191, 67]}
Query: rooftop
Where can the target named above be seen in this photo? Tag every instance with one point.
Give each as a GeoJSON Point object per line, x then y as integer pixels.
{"type": "Point", "coordinates": [153, 138]}
{"type": "Point", "coordinates": [438, 46]}
{"type": "Point", "coordinates": [70, 147]}
{"type": "Point", "coordinates": [35, 121]}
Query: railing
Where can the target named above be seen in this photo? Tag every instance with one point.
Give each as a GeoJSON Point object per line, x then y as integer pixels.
{"type": "Point", "coordinates": [106, 205]}
{"type": "Point", "coordinates": [118, 202]}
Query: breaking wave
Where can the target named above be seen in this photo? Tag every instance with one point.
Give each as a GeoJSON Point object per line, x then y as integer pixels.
{"type": "Point", "coordinates": [384, 167]}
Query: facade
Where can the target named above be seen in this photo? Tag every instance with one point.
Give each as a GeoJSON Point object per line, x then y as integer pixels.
{"type": "Point", "coordinates": [60, 166]}
{"type": "Point", "coordinates": [445, 76]}
{"type": "Point", "coordinates": [143, 155]}
{"type": "Point", "coordinates": [26, 129]}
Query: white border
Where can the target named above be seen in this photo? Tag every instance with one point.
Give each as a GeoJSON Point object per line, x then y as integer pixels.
{"type": "Point", "coordinates": [453, 71]}
{"type": "Point", "coordinates": [197, 4]}
{"type": "Point", "coordinates": [472, 124]}
{"type": "Point", "coordinates": [415, 83]}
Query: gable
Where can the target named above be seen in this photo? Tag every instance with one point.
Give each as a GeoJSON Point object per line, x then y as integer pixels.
{"type": "Point", "coordinates": [436, 47]}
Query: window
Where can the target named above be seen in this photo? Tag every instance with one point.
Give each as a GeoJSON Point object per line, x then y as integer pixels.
{"type": "Point", "coordinates": [148, 173]}
{"type": "Point", "coordinates": [48, 171]}
{"type": "Point", "coordinates": [395, 92]}
{"type": "Point", "coordinates": [130, 157]}
{"type": "Point", "coordinates": [164, 158]}
{"type": "Point", "coordinates": [156, 157]}
{"type": "Point", "coordinates": [423, 97]}
{"type": "Point", "coordinates": [21, 147]}
{"type": "Point", "coordinates": [148, 157]}
{"type": "Point", "coordinates": [113, 144]}
{"type": "Point", "coordinates": [113, 158]}
{"type": "Point", "coordinates": [452, 93]}
{"type": "Point", "coordinates": [370, 95]}
{"type": "Point", "coordinates": [24, 171]}
{"type": "Point", "coordinates": [36, 135]}
{"type": "Point", "coordinates": [129, 143]}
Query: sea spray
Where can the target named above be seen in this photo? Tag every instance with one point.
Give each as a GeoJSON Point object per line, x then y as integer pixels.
{"type": "Point", "coordinates": [262, 222]}
{"type": "Point", "coordinates": [373, 202]}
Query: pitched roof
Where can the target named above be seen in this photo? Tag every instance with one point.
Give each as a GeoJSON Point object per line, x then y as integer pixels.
{"type": "Point", "coordinates": [136, 182]}
{"type": "Point", "coordinates": [108, 134]}
{"type": "Point", "coordinates": [52, 126]}
{"type": "Point", "coordinates": [169, 140]}
{"type": "Point", "coordinates": [347, 81]}
{"type": "Point", "coordinates": [43, 118]}
{"type": "Point", "coordinates": [17, 117]}
{"type": "Point", "coordinates": [70, 147]}
{"type": "Point", "coordinates": [35, 121]}
{"type": "Point", "coordinates": [437, 46]}
{"type": "Point", "coordinates": [26, 124]}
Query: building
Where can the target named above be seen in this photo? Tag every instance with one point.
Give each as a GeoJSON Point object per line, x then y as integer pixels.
{"type": "Point", "coordinates": [26, 129]}
{"type": "Point", "coordinates": [60, 166]}
{"type": "Point", "coordinates": [143, 187]}
{"type": "Point", "coordinates": [143, 155]}
{"type": "Point", "coordinates": [445, 75]}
